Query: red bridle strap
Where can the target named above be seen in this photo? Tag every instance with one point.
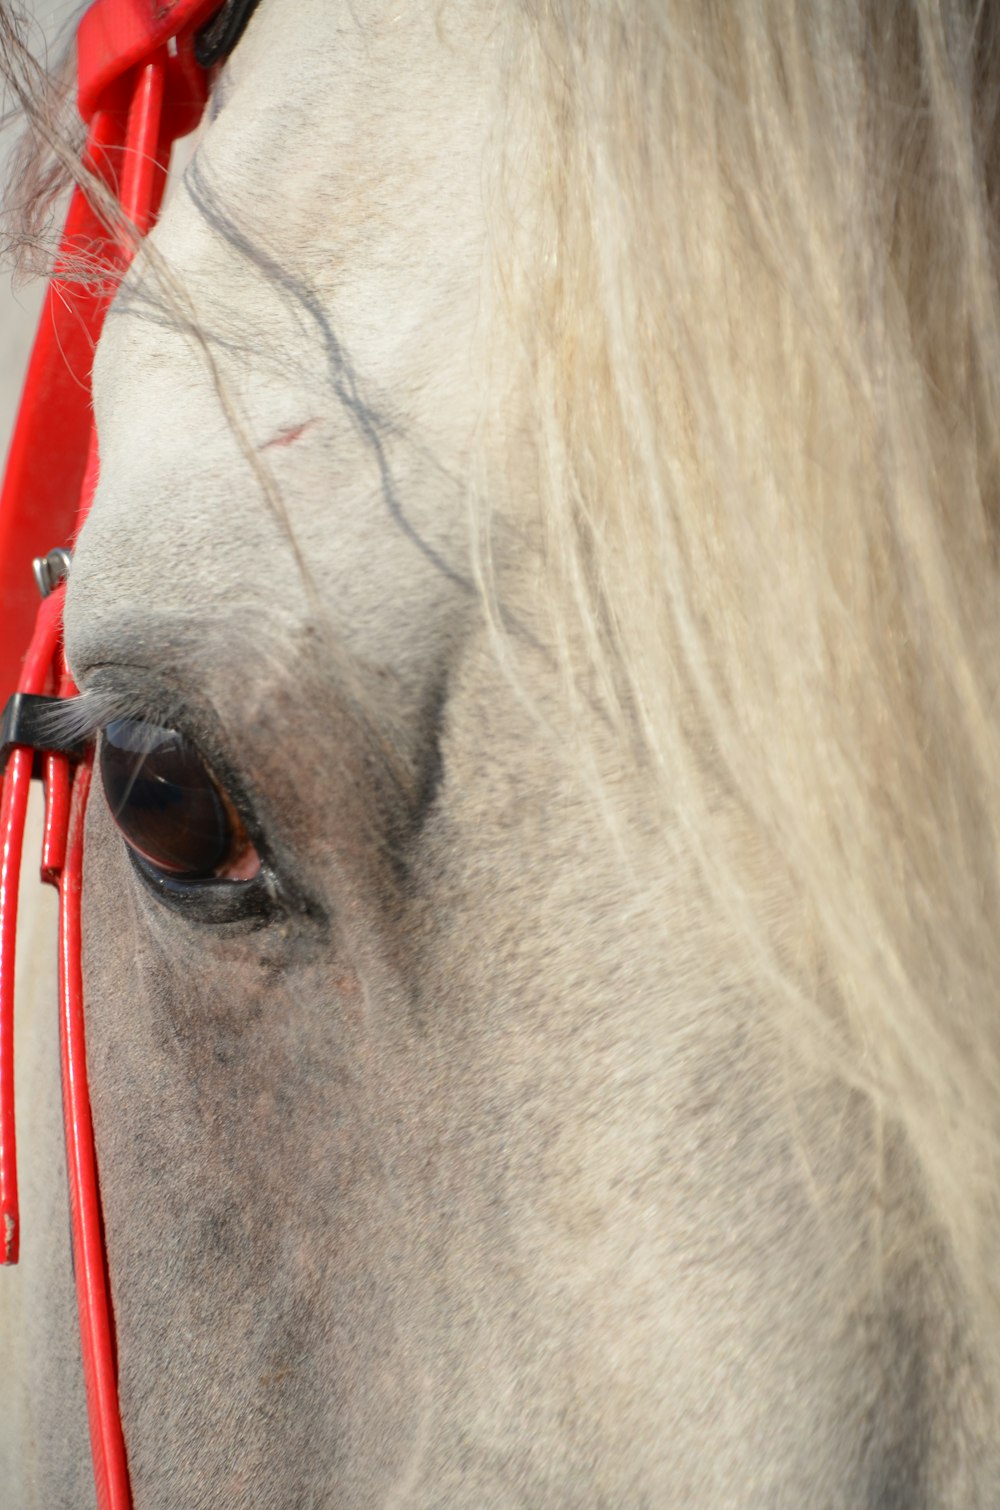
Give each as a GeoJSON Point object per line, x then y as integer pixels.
{"type": "Point", "coordinates": [137, 94]}
{"type": "Point", "coordinates": [41, 496]}
{"type": "Point", "coordinates": [35, 677]}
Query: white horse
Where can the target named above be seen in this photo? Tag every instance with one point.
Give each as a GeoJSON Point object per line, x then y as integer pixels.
{"type": "Point", "coordinates": [549, 478]}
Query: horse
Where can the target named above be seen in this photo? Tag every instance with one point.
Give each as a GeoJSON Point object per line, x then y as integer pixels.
{"type": "Point", "coordinates": [546, 541]}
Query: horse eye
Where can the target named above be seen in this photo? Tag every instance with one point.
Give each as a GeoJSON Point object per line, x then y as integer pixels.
{"type": "Point", "coordinates": [168, 805]}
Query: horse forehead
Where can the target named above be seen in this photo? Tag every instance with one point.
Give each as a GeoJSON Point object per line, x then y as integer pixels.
{"type": "Point", "coordinates": [326, 243]}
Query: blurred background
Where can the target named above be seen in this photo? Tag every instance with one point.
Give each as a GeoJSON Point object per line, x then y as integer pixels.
{"type": "Point", "coordinates": [50, 26]}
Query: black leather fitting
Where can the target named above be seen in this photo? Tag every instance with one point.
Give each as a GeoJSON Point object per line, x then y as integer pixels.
{"type": "Point", "coordinates": [24, 726]}
{"type": "Point", "coordinates": [222, 31]}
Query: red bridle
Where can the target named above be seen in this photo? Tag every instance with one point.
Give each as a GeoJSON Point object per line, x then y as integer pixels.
{"type": "Point", "coordinates": [140, 87]}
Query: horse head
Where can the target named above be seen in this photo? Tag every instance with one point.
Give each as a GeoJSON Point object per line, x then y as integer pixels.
{"type": "Point", "coordinates": [543, 566]}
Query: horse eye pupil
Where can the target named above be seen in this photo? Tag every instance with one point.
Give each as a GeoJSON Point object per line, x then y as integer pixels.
{"type": "Point", "coordinates": [163, 798]}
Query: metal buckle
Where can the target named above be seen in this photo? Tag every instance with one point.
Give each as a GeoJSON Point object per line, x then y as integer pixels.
{"type": "Point", "coordinates": [50, 570]}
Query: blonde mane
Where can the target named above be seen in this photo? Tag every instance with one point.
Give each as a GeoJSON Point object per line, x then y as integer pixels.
{"type": "Point", "coordinates": [766, 369]}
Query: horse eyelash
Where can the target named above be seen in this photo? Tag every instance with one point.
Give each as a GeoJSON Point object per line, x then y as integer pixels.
{"type": "Point", "coordinates": [82, 717]}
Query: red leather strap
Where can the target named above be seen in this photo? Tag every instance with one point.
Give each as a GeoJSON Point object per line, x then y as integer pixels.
{"type": "Point", "coordinates": [100, 1364]}
{"type": "Point", "coordinates": [40, 498]}
{"type": "Point", "coordinates": [139, 88]}
{"type": "Point", "coordinates": [39, 501]}
{"type": "Point", "coordinates": [115, 35]}
{"type": "Point", "coordinates": [36, 677]}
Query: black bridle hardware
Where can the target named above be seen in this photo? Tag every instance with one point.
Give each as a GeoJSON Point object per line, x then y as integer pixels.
{"type": "Point", "coordinates": [27, 724]}
{"type": "Point", "coordinates": [221, 32]}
